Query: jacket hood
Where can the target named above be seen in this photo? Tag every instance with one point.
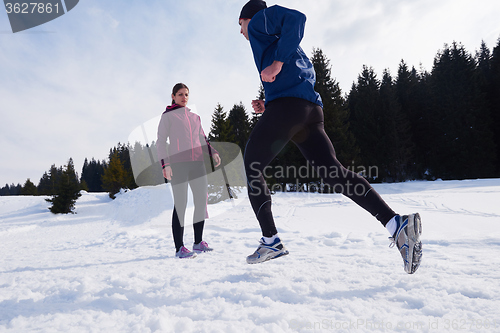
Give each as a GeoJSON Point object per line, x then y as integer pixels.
{"type": "Point", "coordinates": [174, 107]}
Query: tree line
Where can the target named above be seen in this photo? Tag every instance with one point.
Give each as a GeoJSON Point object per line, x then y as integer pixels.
{"type": "Point", "coordinates": [414, 125]}
{"type": "Point", "coordinates": [64, 185]}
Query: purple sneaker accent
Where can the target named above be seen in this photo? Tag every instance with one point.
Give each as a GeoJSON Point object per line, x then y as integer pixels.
{"type": "Point", "coordinates": [201, 247]}
{"type": "Point", "coordinates": [184, 253]}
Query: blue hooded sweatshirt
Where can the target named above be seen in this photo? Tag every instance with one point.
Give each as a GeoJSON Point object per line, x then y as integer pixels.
{"type": "Point", "coordinates": [275, 34]}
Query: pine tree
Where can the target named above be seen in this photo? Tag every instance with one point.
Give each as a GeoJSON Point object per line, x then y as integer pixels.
{"type": "Point", "coordinates": [220, 129]}
{"type": "Point", "coordinates": [238, 119]}
{"type": "Point", "coordinates": [91, 175]}
{"type": "Point", "coordinates": [68, 191]}
{"type": "Point", "coordinates": [123, 153]}
{"type": "Point", "coordinates": [464, 146]}
{"type": "Point", "coordinates": [483, 60]}
{"type": "Point", "coordinates": [147, 170]}
{"type": "Point", "coordinates": [48, 184]}
{"type": "Point", "coordinates": [44, 187]}
{"type": "Point", "coordinates": [115, 175]}
{"type": "Point", "coordinates": [494, 100]}
{"type": "Point", "coordinates": [84, 186]}
{"type": "Point", "coordinates": [413, 95]}
{"type": "Point", "coordinates": [4, 191]}
{"type": "Point", "coordinates": [29, 188]}
{"type": "Point", "coordinates": [84, 171]}
{"type": "Point", "coordinates": [396, 136]}
{"type": "Point", "coordinates": [365, 117]}
{"type": "Point", "coordinates": [336, 112]}
{"type": "Point", "coordinates": [15, 189]}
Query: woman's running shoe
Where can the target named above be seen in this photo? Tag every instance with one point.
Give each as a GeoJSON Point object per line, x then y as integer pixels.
{"type": "Point", "coordinates": [201, 247]}
{"type": "Point", "coordinates": [184, 253]}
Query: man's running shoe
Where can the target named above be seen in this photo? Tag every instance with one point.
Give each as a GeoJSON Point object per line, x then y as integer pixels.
{"type": "Point", "coordinates": [184, 253]}
{"type": "Point", "coordinates": [201, 247]}
{"type": "Point", "coordinates": [267, 252]}
{"type": "Point", "coordinates": [407, 240]}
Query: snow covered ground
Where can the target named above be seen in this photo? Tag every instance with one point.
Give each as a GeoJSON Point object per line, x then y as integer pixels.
{"type": "Point", "coordinates": [111, 266]}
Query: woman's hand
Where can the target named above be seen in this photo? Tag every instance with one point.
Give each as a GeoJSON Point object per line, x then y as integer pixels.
{"type": "Point", "coordinates": [217, 159]}
{"type": "Point", "coordinates": [167, 172]}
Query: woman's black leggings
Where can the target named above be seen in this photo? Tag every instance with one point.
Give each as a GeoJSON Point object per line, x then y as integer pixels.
{"type": "Point", "coordinates": [301, 121]}
{"type": "Point", "coordinates": [194, 174]}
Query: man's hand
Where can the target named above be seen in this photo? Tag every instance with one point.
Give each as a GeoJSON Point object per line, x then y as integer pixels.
{"type": "Point", "coordinates": [258, 106]}
{"type": "Point", "coordinates": [269, 73]}
{"type": "Point", "coordinates": [167, 172]}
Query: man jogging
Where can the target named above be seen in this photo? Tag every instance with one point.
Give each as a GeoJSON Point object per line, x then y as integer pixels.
{"type": "Point", "coordinates": [292, 111]}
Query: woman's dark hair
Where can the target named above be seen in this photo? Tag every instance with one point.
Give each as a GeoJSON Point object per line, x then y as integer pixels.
{"type": "Point", "coordinates": [176, 88]}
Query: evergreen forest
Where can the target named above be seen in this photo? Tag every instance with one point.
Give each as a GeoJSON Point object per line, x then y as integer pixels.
{"type": "Point", "coordinates": [409, 125]}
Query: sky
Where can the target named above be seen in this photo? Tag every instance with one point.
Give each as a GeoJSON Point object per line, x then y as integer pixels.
{"type": "Point", "coordinates": [80, 84]}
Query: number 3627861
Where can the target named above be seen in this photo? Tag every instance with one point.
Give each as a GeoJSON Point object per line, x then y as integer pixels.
{"type": "Point", "coordinates": [31, 8]}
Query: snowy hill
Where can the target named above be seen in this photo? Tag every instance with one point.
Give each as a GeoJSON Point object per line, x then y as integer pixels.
{"type": "Point", "coordinates": [111, 266]}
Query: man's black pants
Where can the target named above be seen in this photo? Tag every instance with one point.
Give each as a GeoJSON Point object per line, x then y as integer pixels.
{"type": "Point", "coordinates": [300, 121]}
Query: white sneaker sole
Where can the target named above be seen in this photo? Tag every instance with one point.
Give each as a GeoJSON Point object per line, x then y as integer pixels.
{"type": "Point", "coordinates": [414, 230]}
{"type": "Point", "coordinates": [268, 256]}
{"type": "Point", "coordinates": [187, 257]}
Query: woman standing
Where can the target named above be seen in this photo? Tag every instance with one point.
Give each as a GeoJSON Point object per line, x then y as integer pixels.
{"type": "Point", "coordinates": [183, 164]}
